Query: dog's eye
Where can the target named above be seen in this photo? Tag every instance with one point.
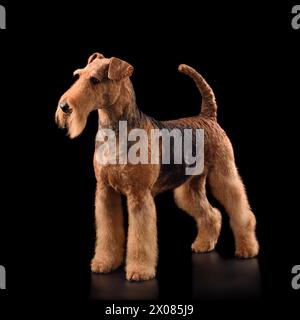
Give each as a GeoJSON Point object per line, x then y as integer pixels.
{"type": "Point", "coordinates": [94, 80]}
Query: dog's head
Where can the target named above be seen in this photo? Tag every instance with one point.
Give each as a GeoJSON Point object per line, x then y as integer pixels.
{"type": "Point", "coordinates": [98, 86]}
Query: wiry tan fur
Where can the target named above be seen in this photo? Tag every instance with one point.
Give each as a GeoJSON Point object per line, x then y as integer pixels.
{"type": "Point", "coordinates": [113, 96]}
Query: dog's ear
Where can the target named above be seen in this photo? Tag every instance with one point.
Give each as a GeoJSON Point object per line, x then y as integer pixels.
{"type": "Point", "coordinates": [94, 56]}
{"type": "Point", "coordinates": [119, 69]}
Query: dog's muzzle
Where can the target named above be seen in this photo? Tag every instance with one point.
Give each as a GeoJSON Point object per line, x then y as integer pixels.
{"type": "Point", "coordinates": [65, 108]}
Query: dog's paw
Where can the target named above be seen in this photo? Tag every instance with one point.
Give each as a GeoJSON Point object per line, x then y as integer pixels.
{"type": "Point", "coordinates": [140, 274]}
{"type": "Point", "coordinates": [203, 246]}
{"type": "Point", "coordinates": [102, 266]}
{"type": "Point", "coordinates": [247, 249]}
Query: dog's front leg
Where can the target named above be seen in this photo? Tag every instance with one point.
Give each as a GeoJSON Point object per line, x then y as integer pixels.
{"type": "Point", "coordinates": [142, 237]}
{"type": "Point", "coordinates": [110, 242]}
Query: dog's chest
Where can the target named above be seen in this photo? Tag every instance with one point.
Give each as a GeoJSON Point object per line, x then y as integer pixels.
{"type": "Point", "coordinates": [111, 175]}
{"type": "Point", "coordinates": [127, 178]}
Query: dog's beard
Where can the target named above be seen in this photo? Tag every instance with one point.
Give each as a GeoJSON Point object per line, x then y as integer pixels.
{"type": "Point", "coordinates": [74, 122]}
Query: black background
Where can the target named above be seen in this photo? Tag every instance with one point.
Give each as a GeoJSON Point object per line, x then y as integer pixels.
{"type": "Point", "coordinates": [250, 56]}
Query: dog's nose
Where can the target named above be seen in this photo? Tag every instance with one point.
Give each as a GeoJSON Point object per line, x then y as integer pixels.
{"type": "Point", "coordinates": [64, 107]}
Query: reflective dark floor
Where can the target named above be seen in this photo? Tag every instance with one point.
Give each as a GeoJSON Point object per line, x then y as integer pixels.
{"type": "Point", "coordinates": [217, 278]}
{"type": "Point", "coordinates": [213, 277]}
{"type": "Point", "coordinates": [114, 286]}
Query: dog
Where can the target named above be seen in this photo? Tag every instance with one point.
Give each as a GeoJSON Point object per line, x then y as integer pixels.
{"type": "Point", "coordinates": [105, 85]}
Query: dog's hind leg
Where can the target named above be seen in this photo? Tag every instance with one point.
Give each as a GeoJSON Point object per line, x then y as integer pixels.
{"type": "Point", "coordinates": [227, 187]}
{"type": "Point", "coordinates": [191, 197]}
{"type": "Point", "coordinates": [110, 233]}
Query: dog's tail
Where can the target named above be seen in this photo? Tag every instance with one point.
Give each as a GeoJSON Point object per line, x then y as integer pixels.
{"type": "Point", "coordinates": [209, 105]}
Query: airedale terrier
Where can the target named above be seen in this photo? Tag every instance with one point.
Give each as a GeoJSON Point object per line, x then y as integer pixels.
{"type": "Point", "coordinates": [104, 84]}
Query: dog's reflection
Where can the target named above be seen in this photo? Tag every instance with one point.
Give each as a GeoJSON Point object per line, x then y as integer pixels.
{"type": "Point", "coordinates": [113, 286]}
{"type": "Point", "coordinates": [217, 278]}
